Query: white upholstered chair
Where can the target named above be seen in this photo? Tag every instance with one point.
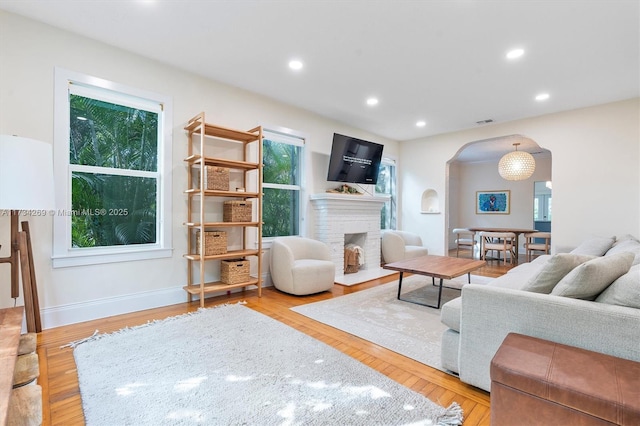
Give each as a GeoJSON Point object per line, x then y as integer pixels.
{"type": "Point", "coordinates": [537, 242]}
{"type": "Point", "coordinates": [465, 239]}
{"type": "Point", "coordinates": [502, 242]}
{"type": "Point", "coordinates": [301, 265]}
{"type": "Point", "coordinates": [401, 245]}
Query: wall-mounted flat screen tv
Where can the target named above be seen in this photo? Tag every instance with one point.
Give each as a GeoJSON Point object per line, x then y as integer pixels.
{"type": "Point", "coordinates": [354, 160]}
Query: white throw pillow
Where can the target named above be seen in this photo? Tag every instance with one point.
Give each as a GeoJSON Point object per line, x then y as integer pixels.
{"type": "Point", "coordinates": [595, 246]}
{"type": "Point", "coordinates": [625, 237]}
{"type": "Point", "coordinates": [625, 291]}
{"type": "Point", "coordinates": [553, 271]}
{"type": "Point", "coordinates": [592, 277]}
{"type": "Point", "coordinates": [628, 245]}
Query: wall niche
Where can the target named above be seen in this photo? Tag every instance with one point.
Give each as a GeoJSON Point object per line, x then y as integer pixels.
{"type": "Point", "coordinates": [430, 203]}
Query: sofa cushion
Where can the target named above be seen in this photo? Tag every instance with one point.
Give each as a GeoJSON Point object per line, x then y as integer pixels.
{"type": "Point", "coordinates": [450, 313]}
{"type": "Point", "coordinates": [512, 281]}
{"type": "Point", "coordinates": [625, 291]}
{"type": "Point", "coordinates": [628, 245]}
{"type": "Point", "coordinates": [592, 277]}
{"type": "Point", "coordinates": [594, 246]}
{"type": "Point", "coordinates": [553, 271]}
{"type": "Point", "coordinates": [415, 251]}
{"type": "Point", "coordinates": [531, 267]}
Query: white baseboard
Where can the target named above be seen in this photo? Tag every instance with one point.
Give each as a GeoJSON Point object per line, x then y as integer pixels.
{"type": "Point", "coordinates": [103, 308]}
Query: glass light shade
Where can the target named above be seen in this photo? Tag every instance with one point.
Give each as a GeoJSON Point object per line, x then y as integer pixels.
{"type": "Point", "coordinates": [517, 165]}
{"type": "Point", "coordinates": [26, 174]}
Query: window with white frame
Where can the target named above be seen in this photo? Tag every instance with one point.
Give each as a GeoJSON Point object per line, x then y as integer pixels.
{"type": "Point", "coordinates": [387, 186]}
{"type": "Point", "coordinates": [282, 156]}
{"type": "Point", "coordinates": [112, 167]}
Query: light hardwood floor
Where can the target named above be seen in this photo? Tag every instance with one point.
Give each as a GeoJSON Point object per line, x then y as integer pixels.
{"type": "Point", "coordinates": [59, 381]}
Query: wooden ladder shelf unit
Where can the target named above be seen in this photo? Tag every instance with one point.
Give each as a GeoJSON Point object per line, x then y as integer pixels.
{"type": "Point", "coordinates": [212, 145]}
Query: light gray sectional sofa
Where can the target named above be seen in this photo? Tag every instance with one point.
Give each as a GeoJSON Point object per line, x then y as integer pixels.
{"type": "Point", "coordinates": [588, 298]}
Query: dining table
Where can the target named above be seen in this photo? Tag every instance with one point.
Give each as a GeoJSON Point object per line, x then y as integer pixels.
{"type": "Point", "coordinates": [516, 231]}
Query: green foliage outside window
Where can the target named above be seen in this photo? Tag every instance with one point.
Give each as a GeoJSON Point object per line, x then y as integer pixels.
{"type": "Point", "coordinates": [386, 186]}
{"type": "Point", "coordinates": [280, 176]}
{"type": "Point", "coordinates": [112, 207]}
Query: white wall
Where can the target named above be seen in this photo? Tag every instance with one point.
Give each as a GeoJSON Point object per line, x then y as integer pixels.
{"type": "Point", "coordinates": [595, 169]}
{"type": "Point", "coordinates": [29, 52]}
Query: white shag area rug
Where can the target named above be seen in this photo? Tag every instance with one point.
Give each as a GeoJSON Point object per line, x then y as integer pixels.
{"type": "Point", "coordinates": [231, 365]}
{"type": "Point", "coordinates": [378, 316]}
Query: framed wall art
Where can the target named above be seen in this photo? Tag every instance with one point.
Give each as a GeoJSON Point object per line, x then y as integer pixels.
{"type": "Point", "coordinates": [493, 202]}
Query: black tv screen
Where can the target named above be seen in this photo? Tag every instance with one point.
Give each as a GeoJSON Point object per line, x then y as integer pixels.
{"type": "Point", "coordinates": [354, 160]}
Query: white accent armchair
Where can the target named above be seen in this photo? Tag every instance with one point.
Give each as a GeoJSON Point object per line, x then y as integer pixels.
{"type": "Point", "coordinates": [301, 265]}
{"type": "Point", "coordinates": [400, 245]}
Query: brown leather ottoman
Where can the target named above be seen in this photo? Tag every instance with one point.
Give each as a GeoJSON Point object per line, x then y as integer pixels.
{"type": "Point", "coordinates": [538, 382]}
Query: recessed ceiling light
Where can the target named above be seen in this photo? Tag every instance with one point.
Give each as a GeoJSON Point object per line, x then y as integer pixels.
{"type": "Point", "coordinates": [515, 53]}
{"type": "Point", "coordinates": [372, 101]}
{"type": "Point", "coordinates": [295, 65]}
{"type": "Point", "coordinates": [542, 97]}
{"type": "Point", "coordinates": [421, 123]}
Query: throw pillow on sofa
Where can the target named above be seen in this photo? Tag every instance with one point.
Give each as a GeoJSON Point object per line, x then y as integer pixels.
{"type": "Point", "coordinates": [592, 277]}
{"type": "Point", "coordinates": [625, 237]}
{"type": "Point", "coordinates": [595, 246]}
{"type": "Point", "coordinates": [625, 291]}
{"type": "Point", "coordinates": [627, 245]}
{"type": "Point", "coordinates": [553, 271]}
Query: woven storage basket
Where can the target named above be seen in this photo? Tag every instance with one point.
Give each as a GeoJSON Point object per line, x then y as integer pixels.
{"type": "Point", "coordinates": [215, 242]}
{"type": "Point", "coordinates": [237, 211]}
{"type": "Point", "coordinates": [234, 271]}
{"type": "Point", "coordinates": [351, 261]}
{"type": "Point", "coordinates": [216, 178]}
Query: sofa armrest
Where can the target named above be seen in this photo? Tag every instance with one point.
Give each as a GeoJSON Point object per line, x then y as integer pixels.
{"type": "Point", "coordinates": [392, 247]}
{"type": "Point", "coordinates": [490, 313]}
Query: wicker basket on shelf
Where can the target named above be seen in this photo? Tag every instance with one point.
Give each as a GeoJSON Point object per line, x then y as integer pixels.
{"type": "Point", "coordinates": [236, 211]}
{"type": "Point", "coordinates": [215, 242]}
{"type": "Point", "coordinates": [216, 178]}
{"type": "Point", "coordinates": [234, 271]}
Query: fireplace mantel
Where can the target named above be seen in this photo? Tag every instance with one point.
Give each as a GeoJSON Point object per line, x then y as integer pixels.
{"type": "Point", "coordinates": [336, 199]}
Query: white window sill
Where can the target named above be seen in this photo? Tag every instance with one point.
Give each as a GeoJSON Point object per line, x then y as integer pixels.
{"type": "Point", "coordinates": [83, 259]}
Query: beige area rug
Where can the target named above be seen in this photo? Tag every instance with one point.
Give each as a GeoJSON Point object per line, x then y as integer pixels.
{"type": "Point", "coordinates": [378, 316]}
{"type": "Point", "coordinates": [231, 365]}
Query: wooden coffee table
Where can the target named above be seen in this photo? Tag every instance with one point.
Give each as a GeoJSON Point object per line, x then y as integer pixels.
{"type": "Point", "coordinates": [442, 267]}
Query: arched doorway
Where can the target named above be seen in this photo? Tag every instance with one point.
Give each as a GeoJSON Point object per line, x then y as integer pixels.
{"type": "Point", "coordinates": [474, 168]}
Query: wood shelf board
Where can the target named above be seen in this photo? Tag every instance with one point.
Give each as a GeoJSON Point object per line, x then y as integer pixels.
{"type": "Point", "coordinates": [228, 255]}
{"type": "Point", "coordinates": [218, 286]}
{"type": "Point", "coordinates": [220, 224]}
{"type": "Point", "coordinates": [216, 193]}
{"type": "Point", "coordinates": [197, 159]}
{"type": "Point", "coordinates": [196, 126]}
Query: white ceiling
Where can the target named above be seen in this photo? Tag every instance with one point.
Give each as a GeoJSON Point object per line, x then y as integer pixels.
{"type": "Point", "coordinates": [438, 61]}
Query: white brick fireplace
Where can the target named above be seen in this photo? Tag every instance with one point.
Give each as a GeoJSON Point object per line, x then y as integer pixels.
{"type": "Point", "coordinates": [355, 218]}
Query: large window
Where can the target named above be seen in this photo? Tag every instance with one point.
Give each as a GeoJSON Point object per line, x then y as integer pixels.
{"type": "Point", "coordinates": [387, 186]}
{"type": "Point", "coordinates": [111, 155]}
{"type": "Point", "coordinates": [281, 182]}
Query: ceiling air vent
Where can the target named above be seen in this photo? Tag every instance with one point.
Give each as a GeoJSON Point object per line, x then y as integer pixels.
{"type": "Point", "coordinates": [487, 121]}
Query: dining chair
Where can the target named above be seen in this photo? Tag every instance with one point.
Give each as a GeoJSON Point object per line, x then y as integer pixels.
{"type": "Point", "coordinates": [537, 242]}
{"type": "Point", "coordinates": [504, 242]}
{"type": "Point", "coordinates": [465, 239]}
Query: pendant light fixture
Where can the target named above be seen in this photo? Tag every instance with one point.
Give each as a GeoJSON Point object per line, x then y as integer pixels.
{"type": "Point", "coordinates": [516, 165]}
